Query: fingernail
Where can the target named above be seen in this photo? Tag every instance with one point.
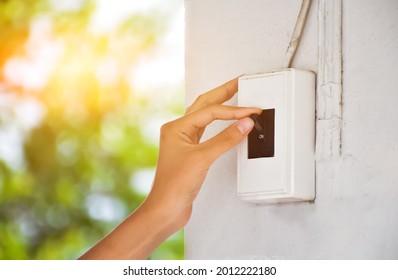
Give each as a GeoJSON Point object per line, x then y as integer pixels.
{"type": "Point", "coordinates": [245, 125]}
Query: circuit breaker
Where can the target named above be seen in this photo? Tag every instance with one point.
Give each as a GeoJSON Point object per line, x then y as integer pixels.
{"type": "Point", "coordinates": [276, 161]}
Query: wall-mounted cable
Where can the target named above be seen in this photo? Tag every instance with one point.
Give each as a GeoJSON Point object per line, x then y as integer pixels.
{"type": "Point", "coordinates": [298, 29]}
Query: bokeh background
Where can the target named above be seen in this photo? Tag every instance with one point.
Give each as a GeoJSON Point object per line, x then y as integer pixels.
{"type": "Point", "coordinates": [84, 88]}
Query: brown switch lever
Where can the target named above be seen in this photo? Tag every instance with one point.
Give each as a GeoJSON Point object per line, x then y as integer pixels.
{"type": "Point", "coordinates": [257, 123]}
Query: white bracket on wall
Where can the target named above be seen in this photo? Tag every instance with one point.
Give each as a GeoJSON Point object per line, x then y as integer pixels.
{"type": "Point", "coordinates": [329, 80]}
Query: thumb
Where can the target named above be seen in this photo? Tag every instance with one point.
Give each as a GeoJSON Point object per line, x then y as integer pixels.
{"type": "Point", "coordinates": [227, 139]}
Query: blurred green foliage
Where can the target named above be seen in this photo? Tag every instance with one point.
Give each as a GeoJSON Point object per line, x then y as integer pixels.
{"type": "Point", "coordinates": [76, 181]}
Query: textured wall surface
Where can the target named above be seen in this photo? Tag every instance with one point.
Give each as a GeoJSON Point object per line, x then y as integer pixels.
{"type": "Point", "coordinates": [355, 214]}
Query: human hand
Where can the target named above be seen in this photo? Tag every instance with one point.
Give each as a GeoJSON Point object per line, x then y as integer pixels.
{"type": "Point", "coordinates": [184, 162]}
{"type": "Point", "coordinates": [182, 167]}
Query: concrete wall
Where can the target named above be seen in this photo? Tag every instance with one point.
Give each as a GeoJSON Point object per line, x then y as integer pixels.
{"type": "Point", "coordinates": [355, 215]}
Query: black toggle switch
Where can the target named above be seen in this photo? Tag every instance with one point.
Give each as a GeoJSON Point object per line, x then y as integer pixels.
{"type": "Point", "coordinates": [257, 124]}
{"type": "Point", "coordinates": [261, 138]}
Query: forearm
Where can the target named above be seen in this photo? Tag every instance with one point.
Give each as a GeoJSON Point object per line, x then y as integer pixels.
{"type": "Point", "coordinates": [137, 236]}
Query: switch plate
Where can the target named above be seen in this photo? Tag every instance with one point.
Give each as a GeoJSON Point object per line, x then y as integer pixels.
{"type": "Point", "coordinates": [288, 175]}
{"type": "Point", "coordinates": [262, 143]}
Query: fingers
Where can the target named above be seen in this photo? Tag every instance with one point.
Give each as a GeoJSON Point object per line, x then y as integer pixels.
{"type": "Point", "coordinates": [226, 139]}
{"type": "Point", "coordinates": [204, 116]}
{"type": "Point", "coordinates": [216, 96]}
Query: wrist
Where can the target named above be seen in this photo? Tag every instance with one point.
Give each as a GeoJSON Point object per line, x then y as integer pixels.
{"type": "Point", "coordinates": [168, 209]}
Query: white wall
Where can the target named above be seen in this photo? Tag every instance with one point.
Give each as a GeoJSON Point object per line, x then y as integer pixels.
{"type": "Point", "coordinates": [355, 214]}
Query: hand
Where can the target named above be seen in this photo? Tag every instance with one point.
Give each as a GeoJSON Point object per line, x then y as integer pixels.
{"type": "Point", "coordinates": [183, 161]}
{"type": "Point", "coordinates": [182, 167]}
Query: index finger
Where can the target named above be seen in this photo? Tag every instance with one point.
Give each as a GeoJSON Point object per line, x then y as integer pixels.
{"type": "Point", "coordinates": [218, 95]}
{"type": "Point", "coordinates": [204, 116]}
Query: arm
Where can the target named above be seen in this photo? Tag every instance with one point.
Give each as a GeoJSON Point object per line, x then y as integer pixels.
{"type": "Point", "coordinates": [182, 167]}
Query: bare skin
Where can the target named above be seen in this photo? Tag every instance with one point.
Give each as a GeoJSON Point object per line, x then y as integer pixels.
{"type": "Point", "coordinates": [182, 167]}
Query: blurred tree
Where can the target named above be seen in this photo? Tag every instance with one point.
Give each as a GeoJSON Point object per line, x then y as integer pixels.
{"type": "Point", "coordinates": [78, 177]}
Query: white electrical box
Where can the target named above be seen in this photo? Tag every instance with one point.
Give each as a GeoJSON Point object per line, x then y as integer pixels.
{"type": "Point", "coordinates": [277, 164]}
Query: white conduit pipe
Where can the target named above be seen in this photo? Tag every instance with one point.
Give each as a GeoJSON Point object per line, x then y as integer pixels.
{"type": "Point", "coordinates": [298, 29]}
